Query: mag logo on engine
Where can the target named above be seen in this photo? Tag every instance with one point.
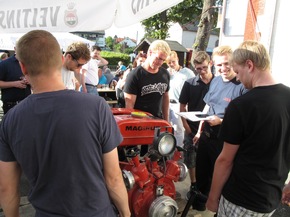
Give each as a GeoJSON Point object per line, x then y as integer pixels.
{"type": "Point", "coordinates": [140, 128]}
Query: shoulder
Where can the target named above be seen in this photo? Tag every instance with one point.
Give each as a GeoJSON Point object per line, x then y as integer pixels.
{"type": "Point", "coordinates": [9, 61]}
{"type": "Point", "coordinates": [187, 71]}
{"type": "Point", "coordinates": [216, 80]}
{"type": "Point", "coordinates": [73, 98]}
{"type": "Point", "coordinates": [137, 72]}
{"type": "Point", "coordinates": [283, 87]}
{"type": "Point", "coordinates": [164, 73]}
{"type": "Point", "coordinates": [163, 70]}
{"type": "Point", "coordinates": [86, 66]}
{"type": "Point", "coordinates": [192, 80]}
{"type": "Point", "coordinates": [138, 69]}
{"type": "Point", "coordinates": [65, 71]}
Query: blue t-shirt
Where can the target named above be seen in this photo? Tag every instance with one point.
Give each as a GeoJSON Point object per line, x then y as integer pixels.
{"type": "Point", "coordinates": [218, 97]}
{"type": "Point", "coordinates": [103, 79]}
{"type": "Point", "coordinates": [221, 93]}
{"type": "Point", "coordinates": [58, 138]}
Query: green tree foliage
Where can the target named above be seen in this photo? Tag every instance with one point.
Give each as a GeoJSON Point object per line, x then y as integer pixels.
{"type": "Point", "coordinates": [158, 25]}
{"type": "Point", "coordinates": [121, 48]}
{"type": "Point", "coordinates": [185, 12]}
{"type": "Point", "coordinates": [129, 50]}
{"type": "Point", "coordinates": [188, 11]}
{"type": "Point", "coordinates": [110, 42]}
{"type": "Point", "coordinates": [118, 48]}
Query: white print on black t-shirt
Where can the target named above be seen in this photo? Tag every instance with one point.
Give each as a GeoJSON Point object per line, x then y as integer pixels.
{"type": "Point", "coordinates": [151, 88]}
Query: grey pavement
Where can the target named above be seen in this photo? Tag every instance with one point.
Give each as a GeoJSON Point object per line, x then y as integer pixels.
{"type": "Point", "coordinates": [26, 210]}
{"type": "Point", "coordinates": [183, 187]}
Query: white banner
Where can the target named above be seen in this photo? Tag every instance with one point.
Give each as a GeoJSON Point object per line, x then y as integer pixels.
{"type": "Point", "coordinates": [76, 15]}
{"type": "Point", "coordinates": [134, 11]}
{"type": "Point", "coordinates": [8, 40]}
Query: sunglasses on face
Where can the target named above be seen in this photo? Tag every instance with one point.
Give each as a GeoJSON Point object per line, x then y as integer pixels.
{"type": "Point", "coordinates": [78, 64]}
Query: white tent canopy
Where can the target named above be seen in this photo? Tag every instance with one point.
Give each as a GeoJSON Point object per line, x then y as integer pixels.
{"type": "Point", "coordinates": [8, 41]}
{"type": "Point", "coordinates": [20, 16]}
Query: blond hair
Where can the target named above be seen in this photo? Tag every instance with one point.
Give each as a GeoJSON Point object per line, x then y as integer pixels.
{"type": "Point", "coordinates": [172, 54]}
{"type": "Point", "coordinates": [161, 46]}
{"type": "Point", "coordinates": [221, 51]}
{"type": "Point", "coordinates": [254, 51]}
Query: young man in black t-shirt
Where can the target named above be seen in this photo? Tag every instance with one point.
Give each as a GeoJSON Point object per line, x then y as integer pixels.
{"type": "Point", "coordinates": [147, 86]}
{"type": "Point", "coordinates": [191, 99]}
{"type": "Point", "coordinates": [254, 163]}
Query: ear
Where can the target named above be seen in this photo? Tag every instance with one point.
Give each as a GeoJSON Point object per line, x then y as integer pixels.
{"type": "Point", "coordinates": [250, 65]}
{"type": "Point", "coordinates": [23, 68]}
{"type": "Point", "coordinates": [149, 52]}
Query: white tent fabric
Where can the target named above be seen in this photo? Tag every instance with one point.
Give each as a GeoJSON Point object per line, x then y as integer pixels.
{"type": "Point", "coordinates": [20, 16]}
{"type": "Point", "coordinates": [8, 41]}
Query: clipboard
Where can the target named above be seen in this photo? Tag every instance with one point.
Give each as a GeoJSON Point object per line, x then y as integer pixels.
{"type": "Point", "coordinates": [195, 116]}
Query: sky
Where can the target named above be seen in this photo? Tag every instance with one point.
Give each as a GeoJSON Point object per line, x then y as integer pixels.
{"type": "Point", "coordinates": [135, 31]}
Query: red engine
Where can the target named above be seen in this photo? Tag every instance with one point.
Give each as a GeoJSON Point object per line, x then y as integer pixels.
{"type": "Point", "coordinates": [149, 176]}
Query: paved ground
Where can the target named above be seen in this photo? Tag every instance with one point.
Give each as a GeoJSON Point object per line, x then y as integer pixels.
{"type": "Point", "coordinates": [182, 188]}
{"type": "Point", "coordinates": [26, 209]}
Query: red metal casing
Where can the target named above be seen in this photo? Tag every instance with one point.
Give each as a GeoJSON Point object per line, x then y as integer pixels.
{"type": "Point", "coordinates": [138, 130]}
{"type": "Point", "coordinates": [151, 178]}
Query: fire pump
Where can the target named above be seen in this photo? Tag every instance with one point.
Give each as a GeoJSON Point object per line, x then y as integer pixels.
{"type": "Point", "coordinates": [150, 176]}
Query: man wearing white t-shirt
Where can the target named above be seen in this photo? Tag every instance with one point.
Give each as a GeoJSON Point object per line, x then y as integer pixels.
{"type": "Point", "coordinates": [90, 71]}
{"type": "Point", "coordinates": [77, 54]}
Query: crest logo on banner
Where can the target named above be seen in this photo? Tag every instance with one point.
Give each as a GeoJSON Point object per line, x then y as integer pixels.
{"type": "Point", "coordinates": [70, 16]}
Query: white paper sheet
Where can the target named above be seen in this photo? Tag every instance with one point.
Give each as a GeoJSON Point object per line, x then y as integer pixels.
{"type": "Point", "coordinates": [194, 116]}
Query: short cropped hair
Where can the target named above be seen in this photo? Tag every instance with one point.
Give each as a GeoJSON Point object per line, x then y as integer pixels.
{"type": "Point", "coordinates": [222, 50]}
{"type": "Point", "coordinates": [140, 55]}
{"type": "Point", "coordinates": [3, 56]}
{"type": "Point", "coordinates": [95, 47]}
{"type": "Point", "coordinates": [39, 51]}
{"type": "Point", "coordinates": [200, 57]}
{"type": "Point", "coordinates": [79, 50]}
{"type": "Point", "coordinates": [254, 51]}
{"type": "Point", "coordinates": [160, 45]}
{"type": "Point", "coordinates": [172, 54]}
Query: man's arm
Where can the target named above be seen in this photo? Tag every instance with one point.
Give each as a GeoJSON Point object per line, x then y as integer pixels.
{"type": "Point", "coordinates": [222, 170]}
{"type": "Point", "coordinates": [286, 194]}
{"type": "Point", "coordinates": [130, 100]}
{"type": "Point", "coordinates": [182, 108]}
{"type": "Point", "coordinates": [100, 72]}
{"type": "Point", "coordinates": [84, 88]}
{"type": "Point", "coordinates": [9, 84]}
{"type": "Point", "coordinates": [165, 106]}
{"type": "Point", "coordinates": [102, 61]}
{"type": "Point", "coordinates": [197, 135]}
{"type": "Point", "coordinates": [78, 75]}
{"type": "Point", "coordinates": [115, 183]}
{"type": "Point", "coordinates": [9, 193]}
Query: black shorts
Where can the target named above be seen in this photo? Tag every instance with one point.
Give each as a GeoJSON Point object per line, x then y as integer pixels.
{"type": "Point", "coordinates": [190, 154]}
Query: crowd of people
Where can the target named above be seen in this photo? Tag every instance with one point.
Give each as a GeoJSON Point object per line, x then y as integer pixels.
{"type": "Point", "coordinates": [238, 157]}
{"type": "Point", "coordinates": [64, 141]}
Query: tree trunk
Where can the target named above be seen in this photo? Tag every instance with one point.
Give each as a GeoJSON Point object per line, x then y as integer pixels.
{"type": "Point", "coordinates": [204, 28]}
